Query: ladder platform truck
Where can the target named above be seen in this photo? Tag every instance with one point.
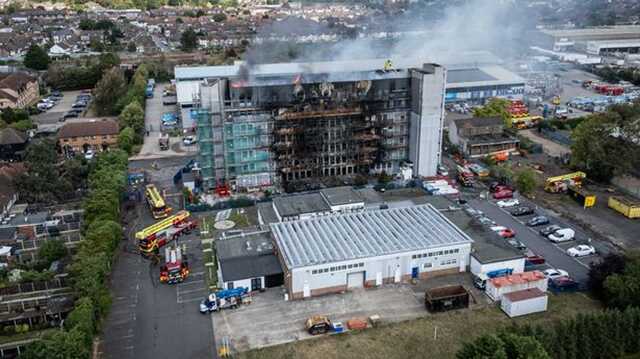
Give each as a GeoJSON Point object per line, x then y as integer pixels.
{"type": "Point", "coordinates": [223, 299]}
{"type": "Point", "coordinates": [176, 267]}
{"type": "Point", "coordinates": [159, 234]}
{"type": "Point", "coordinates": [561, 183]}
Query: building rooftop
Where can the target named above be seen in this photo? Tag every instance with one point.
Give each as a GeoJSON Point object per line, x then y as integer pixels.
{"type": "Point", "coordinates": [247, 256]}
{"type": "Point", "coordinates": [478, 122]}
{"type": "Point", "coordinates": [92, 127]}
{"type": "Point", "coordinates": [266, 213]}
{"type": "Point", "coordinates": [336, 196]}
{"type": "Point", "coordinates": [364, 234]}
{"type": "Point", "coordinates": [11, 136]}
{"type": "Point", "coordinates": [298, 204]}
{"type": "Point", "coordinates": [595, 31]}
{"type": "Point", "coordinates": [524, 294]}
{"type": "Point", "coordinates": [490, 75]}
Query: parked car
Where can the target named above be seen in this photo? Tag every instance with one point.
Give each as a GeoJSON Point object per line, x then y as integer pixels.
{"type": "Point", "coordinates": [507, 233]}
{"type": "Point", "coordinates": [486, 221]}
{"type": "Point", "coordinates": [534, 260]}
{"type": "Point", "coordinates": [555, 273]}
{"type": "Point", "coordinates": [79, 105]}
{"type": "Point", "coordinates": [549, 229]}
{"type": "Point", "coordinates": [498, 228]}
{"type": "Point", "coordinates": [581, 250]}
{"type": "Point", "coordinates": [537, 221]}
{"type": "Point", "coordinates": [89, 154]}
{"type": "Point", "coordinates": [70, 115]}
{"type": "Point", "coordinates": [442, 170]}
{"type": "Point", "coordinates": [189, 140]}
{"type": "Point", "coordinates": [503, 194]}
{"type": "Point", "coordinates": [522, 211]}
{"type": "Point", "coordinates": [497, 187]}
{"type": "Point", "coordinates": [169, 123]}
{"type": "Point", "coordinates": [473, 212]}
{"type": "Point", "coordinates": [562, 235]}
{"type": "Point", "coordinates": [508, 203]}
{"type": "Point", "coordinates": [517, 244]}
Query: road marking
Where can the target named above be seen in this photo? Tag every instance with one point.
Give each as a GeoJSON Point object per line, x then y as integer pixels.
{"type": "Point", "coordinates": [181, 301]}
{"type": "Point", "coordinates": [182, 285]}
{"type": "Point", "coordinates": [181, 292]}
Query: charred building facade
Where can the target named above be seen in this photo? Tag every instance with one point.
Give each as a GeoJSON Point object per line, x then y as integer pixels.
{"type": "Point", "coordinates": [296, 123]}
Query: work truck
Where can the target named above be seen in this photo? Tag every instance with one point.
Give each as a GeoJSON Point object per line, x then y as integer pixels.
{"type": "Point", "coordinates": [223, 299]}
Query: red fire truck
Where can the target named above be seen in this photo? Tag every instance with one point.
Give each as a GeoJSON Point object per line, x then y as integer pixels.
{"type": "Point", "coordinates": [176, 267]}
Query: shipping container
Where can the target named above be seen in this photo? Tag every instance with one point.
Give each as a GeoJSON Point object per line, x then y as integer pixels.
{"type": "Point", "coordinates": [628, 207]}
{"type": "Point", "coordinates": [585, 199]}
{"type": "Point", "coordinates": [446, 298]}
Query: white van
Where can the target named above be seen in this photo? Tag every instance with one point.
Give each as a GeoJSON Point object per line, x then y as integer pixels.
{"type": "Point", "coordinates": [562, 235]}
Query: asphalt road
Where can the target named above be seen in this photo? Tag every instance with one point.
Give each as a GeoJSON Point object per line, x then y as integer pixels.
{"type": "Point", "coordinates": [554, 254]}
{"type": "Point", "coordinates": [153, 320]}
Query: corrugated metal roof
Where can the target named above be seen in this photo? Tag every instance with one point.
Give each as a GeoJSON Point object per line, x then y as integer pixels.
{"type": "Point", "coordinates": [342, 237]}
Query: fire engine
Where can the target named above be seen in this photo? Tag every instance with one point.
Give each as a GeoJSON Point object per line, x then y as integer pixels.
{"type": "Point", "coordinates": [159, 234]}
{"type": "Point", "coordinates": [176, 267]}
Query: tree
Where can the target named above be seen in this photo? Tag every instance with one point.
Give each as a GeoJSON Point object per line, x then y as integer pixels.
{"type": "Point", "coordinates": [82, 318]}
{"type": "Point", "coordinates": [612, 263]}
{"type": "Point", "coordinates": [60, 345]}
{"type": "Point", "coordinates": [603, 144]}
{"type": "Point", "coordinates": [132, 116]}
{"type": "Point", "coordinates": [36, 58]}
{"type": "Point", "coordinates": [125, 139]}
{"type": "Point", "coordinates": [52, 250]}
{"type": "Point", "coordinates": [526, 181]}
{"type": "Point", "coordinates": [189, 40]}
{"type": "Point", "coordinates": [496, 107]}
{"type": "Point", "coordinates": [504, 345]}
{"type": "Point", "coordinates": [219, 17]}
{"type": "Point", "coordinates": [502, 173]}
{"type": "Point", "coordinates": [623, 289]}
{"type": "Point", "coordinates": [109, 88]}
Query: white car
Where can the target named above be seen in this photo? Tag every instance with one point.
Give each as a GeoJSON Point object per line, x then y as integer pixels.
{"type": "Point", "coordinates": [505, 203]}
{"type": "Point", "coordinates": [189, 140]}
{"type": "Point", "coordinates": [581, 250]}
{"type": "Point", "coordinates": [555, 273]}
{"type": "Point", "coordinates": [89, 155]}
{"type": "Point", "coordinates": [562, 235]}
{"type": "Point", "coordinates": [499, 228]}
{"type": "Point", "coordinates": [442, 170]}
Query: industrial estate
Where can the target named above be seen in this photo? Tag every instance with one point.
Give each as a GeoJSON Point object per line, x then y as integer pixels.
{"type": "Point", "coordinates": [248, 179]}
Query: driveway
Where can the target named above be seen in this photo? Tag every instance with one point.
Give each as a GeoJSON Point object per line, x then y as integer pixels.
{"type": "Point", "coordinates": [152, 117]}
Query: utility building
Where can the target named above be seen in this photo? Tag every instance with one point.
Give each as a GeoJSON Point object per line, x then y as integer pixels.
{"type": "Point", "coordinates": [293, 124]}
{"type": "Point", "coordinates": [331, 254]}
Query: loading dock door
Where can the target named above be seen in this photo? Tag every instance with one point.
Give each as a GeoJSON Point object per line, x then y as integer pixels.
{"type": "Point", "coordinates": [355, 280]}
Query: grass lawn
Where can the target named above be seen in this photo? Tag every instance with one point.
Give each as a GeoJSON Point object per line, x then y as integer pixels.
{"type": "Point", "coordinates": [415, 338]}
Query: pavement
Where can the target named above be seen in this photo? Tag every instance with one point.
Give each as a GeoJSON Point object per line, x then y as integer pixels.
{"type": "Point", "coordinates": [153, 114]}
{"type": "Point", "coordinates": [149, 319]}
{"type": "Point", "coordinates": [50, 119]}
{"type": "Point", "coordinates": [270, 320]}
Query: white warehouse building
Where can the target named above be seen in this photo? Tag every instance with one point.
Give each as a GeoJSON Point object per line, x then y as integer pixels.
{"type": "Point", "coordinates": [332, 254]}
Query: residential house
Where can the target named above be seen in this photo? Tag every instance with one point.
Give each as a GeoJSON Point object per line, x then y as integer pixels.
{"type": "Point", "coordinates": [18, 90]}
{"type": "Point", "coordinates": [59, 50]}
{"type": "Point", "coordinates": [94, 134]}
{"type": "Point", "coordinates": [12, 144]}
{"type": "Point", "coordinates": [479, 137]}
{"type": "Point", "coordinates": [62, 35]}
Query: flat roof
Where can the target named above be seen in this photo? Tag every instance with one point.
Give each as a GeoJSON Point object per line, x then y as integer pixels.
{"type": "Point", "coordinates": [595, 31]}
{"type": "Point", "coordinates": [336, 196]}
{"type": "Point", "coordinates": [491, 75]}
{"type": "Point", "coordinates": [525, 294]}
{"type": "Point", "coordinates": [247, 256]}
{"type": "Point", "coordinates": [298, 204]}
{"type": "Point", "coordinates": [614, 43]}
{"type": "Point", "coordinates": [341, 237]}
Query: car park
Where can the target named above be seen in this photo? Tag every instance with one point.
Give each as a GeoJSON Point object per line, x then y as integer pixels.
{"type": "Point", "coordinates": [508, 203]}
{"type": "Point", "coordinates": [537, 221]}
{"type": "Point", "coordinates": [581, 250]}
{"type": "Point", "coordinates": [503, 194]}
{"type": "Point", "coordinates": [522, 211]}
{"type": "Point", "coordinates": [549, 229]}
{"type": "Point", "coordinates": [507, 233]}
{"type": "Point", "coordinates": [517, 244]}
{"type": "Point", "coordinates": [555, 273]}
{"type": "Point", "coordinates": [562, 235]}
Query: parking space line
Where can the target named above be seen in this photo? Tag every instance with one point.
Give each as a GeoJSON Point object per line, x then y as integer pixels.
{"type": "Point", "coordinates": [190, 291]}
{"type": "Point", "coordinates": [181, 301]}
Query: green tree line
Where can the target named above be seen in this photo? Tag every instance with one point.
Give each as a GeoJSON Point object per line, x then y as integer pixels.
{"type": "Point", "coordinates": [91, 264]}
{"type": "Point", "coordinates": [606, 334]}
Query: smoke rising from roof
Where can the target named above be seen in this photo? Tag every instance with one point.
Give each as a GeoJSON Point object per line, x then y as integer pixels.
{"type": "Point", "coordinates": [493, 25]}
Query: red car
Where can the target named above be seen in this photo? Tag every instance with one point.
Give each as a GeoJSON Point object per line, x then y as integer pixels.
{"type": "Point", "coordinates": [534, 260]}
{"type": "Point", "coordinates": [502, 194]}
{"type": "Point", "coordinates": [507, 233]}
